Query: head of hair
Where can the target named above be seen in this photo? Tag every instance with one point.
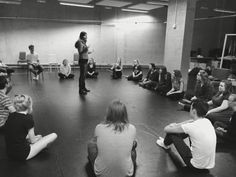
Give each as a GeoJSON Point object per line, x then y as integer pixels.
{"type": "Point", "coordinates": [82, 34]}
{"type": "Point", "coordinates": [117, 115]}
{"type": "Point", "coordinates": [23, 103]}
{"type": "Point", "coordinates": [65, 61]}
{"type": "Point", "coordinates": [200, 106]}
{"type": "Point", "coordinates": [3, 82]}
{"type": "Point", "coordinates": [177, 74]}
{"type": "Point", "coordinates": [204, 76]}
{"type": "Point", "coordinates": [31, 47]}
{"type": "Point", "coordinates": [136, 61]}
{"type": "Point", "coordinates": [153, 65]}
{"type": "Point", "coordinates": [228, 87]}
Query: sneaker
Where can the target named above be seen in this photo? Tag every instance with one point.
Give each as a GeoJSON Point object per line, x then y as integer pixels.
{"type": "Point", "coordinates": [86, 90]}
{"type": "Point", "coordinates": [35, 78]}
{"type": "Point", "coordinates": [160, 142]}
{"type": "Point", "coordinates": [181, 104]}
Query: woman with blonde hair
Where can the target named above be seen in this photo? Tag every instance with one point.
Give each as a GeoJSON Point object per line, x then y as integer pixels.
{"type": "Point", "coordinates": [112, 150]}
{"type": "Point", "coordinates": [21, 141]}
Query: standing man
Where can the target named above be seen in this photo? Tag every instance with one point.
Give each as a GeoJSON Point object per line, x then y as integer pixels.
{"type": "Point", "coordinates": [83, 60]}
{"type": "Point", "coordinates": [33, 62]}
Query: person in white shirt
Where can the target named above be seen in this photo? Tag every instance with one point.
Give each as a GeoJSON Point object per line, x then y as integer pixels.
{"type": "Point", "coordinates": [33, 62]}
{"type": "Point", "coordinates": [65, 70]}
{"type": "Point", "coordinates": [201, 134]}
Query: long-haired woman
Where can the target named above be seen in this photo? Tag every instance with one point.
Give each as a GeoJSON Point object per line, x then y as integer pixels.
{"type": "Point", "coordinates": [112, 151]}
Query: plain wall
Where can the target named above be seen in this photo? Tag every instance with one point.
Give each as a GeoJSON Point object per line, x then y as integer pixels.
{"type": "Point", "coordinates": [54, 29]}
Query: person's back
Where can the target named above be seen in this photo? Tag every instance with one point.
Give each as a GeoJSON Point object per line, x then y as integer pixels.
{"type": "Point", "coordinates": [114, 147]}
{"type": "Point", "coordinates": [203, 139]}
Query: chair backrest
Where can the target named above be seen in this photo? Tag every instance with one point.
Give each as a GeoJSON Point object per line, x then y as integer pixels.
{"type": "Point", "coordinates": [220, 73]}
{"type": "Point", "coordinates": [22, 56]}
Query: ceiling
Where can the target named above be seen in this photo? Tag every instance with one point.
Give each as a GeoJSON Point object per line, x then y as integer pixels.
{"type": "Point", "coordinates": [204, 7]}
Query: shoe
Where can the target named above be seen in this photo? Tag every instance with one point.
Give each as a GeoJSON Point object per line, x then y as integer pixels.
{"type": "Point", "coordinates": [35, 78]}
{"type": "Point", "coordinates": [181, 103]}
{"type": "Point", "coordinates": [160, 142]}
{"type": "Point", "coordinates": [86, 90]}
{"type": "Point", "coordinates": [82, 92]}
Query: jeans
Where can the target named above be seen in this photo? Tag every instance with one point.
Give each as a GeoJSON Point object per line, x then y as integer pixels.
{"type": "Point", "coordinates": [83, 68]}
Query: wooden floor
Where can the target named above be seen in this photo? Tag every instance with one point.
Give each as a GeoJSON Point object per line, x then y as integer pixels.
{"type": "Point", "coordinates": [59, 108]}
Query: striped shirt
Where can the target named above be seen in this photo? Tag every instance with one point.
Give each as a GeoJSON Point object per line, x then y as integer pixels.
{"type": "Point", "coordinates": [5, 103]}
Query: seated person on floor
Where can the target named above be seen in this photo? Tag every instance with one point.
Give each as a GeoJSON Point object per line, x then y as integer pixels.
{"type": "Point", "coordinates": [5, 69]}
{"type": "Point", "coordinates": [219, 104]}
{"type": "Point", "coordinates": [164, 80]}
{"type": "Point", "coordinates": [33, 62]}
{"type": "Point", "coordinates": [200, 154]}
{"type": "Point", "coordinates": [117, 69]}
{"type": "Point", "coordinates": [112, 151]}
{"type": "Point", "coordinates": [227, 131]}
{"type": "Point", "coordinates": [150, 82]}
{"type": "Point", "coordinates": [177, 90]}
{"type": "Point", "coordinates": [21, 141]}
{"type": "Point", "coordinates": [137, 73]}
{"type": "Point", "coordinates": [65, 70]}
{"type": "Point", "coordinates": [91, 69]}
{"type": "Point", "coordinates": [6, 105]}
{"type": "Point", "coordinates": [203, 91]}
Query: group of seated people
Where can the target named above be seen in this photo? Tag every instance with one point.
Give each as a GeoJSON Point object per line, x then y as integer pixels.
{"type": "Point", "coordinates": [17, 125]}
{"type": "Point", "coordinates": [159, 79]}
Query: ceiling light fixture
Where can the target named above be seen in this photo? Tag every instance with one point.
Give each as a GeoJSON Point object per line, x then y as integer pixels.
{"type": "Point", "coordinates": [17, 2]}
{"type": "Point", "coordinates": [225, 11]}
{"type": "Point", "coordinates": [76, 5]}
{"type": "Point", "coordinates": [133, 10]}
{"type": "Point", "coordinates": [158, 3]}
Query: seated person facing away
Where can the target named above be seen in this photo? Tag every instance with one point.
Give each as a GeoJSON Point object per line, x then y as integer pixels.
{"type": "Point", "coordinates": [65, 70]}
{"type": "Point", "coordinates": [5, 69]}
{"type": "Point", "coordinates": [203, 91]}
{"type": "Point", "coordinates": [21, 141]}
{"type": "Point", "coordinates": [164, 81]}
{"type": "Point", "coordinates": [177, 91]}
{"type": "Point", "coordinates": [91, 69]}
{"type": "Point", "coordinates": [33, 62]}
{"type": "Point", "coordinates": [151, 79]}
{"type": "Point", "coordinates": [227, 131]}
{"type": "Point", "coordinates": [117, 69]}
{"type": "Point", "coordinates": [137, 73]}
{"type": "Point", "coordinates": [219, 104]}
{"type": "Point", "coordinates": [6, 105]}
{"type": "Point", "coordinates": [201, 133]}
{"type": "Point", "coordinates": [112, 150]}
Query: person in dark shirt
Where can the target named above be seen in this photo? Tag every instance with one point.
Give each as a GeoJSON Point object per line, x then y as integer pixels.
{"type": "Point", "coordinates": [220, 110]}
{"type": "Point", "coordinates": [21, 141]}
{"type": "Point", "coordinates": [117, 69]}
{"type": "Point", "coordinates": [137, 73]}
{"type": "Point", "coordinates": [164, 80]}
{"type": "Point", "coordinates": [151, 79]}
{"type": "Point", "coordinates": [227, 131]}
{"type": "Point", "coordinates": [203, 91]}
{"type": "Point", "coordinates": [91, 69]}
{"type": "Point", "coordinates": [177, 90]}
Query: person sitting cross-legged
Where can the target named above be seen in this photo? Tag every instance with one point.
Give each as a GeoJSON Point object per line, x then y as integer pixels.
{"type": "Point", "coordinates": [112, 151]}
{"type": "Point", "coordinates": [91, 69]}
{"type": "Point", "coordinates": [65, 70]}
{"type": "Point", "coordinates": [201, 152]}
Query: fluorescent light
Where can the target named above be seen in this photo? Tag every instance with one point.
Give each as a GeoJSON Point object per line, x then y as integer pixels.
{"type": "Point", "coordinates": [158, 3]}
{"type": "Point", "coordinates": [41, 1]}
{"type": "Point", "coordinates": [11, 2]}
{"type": "Point", "coordinates": [76, 5]}
{"type": "Point", "coordinates": [225, 11]}
{"type": "Point", "coordinates": [133, 10]}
